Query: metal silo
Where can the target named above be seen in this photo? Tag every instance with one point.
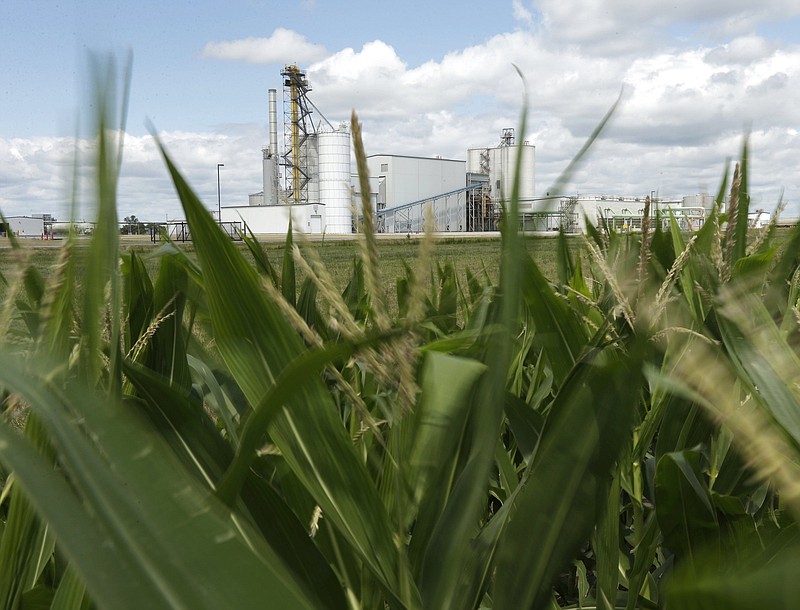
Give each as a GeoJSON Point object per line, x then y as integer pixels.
{"type": "Point", "coordinates": [334, 180]}
{"type": "Point", "coordinates": [477, 160]}
{"type": "Point", "coordinates": [502, 167]}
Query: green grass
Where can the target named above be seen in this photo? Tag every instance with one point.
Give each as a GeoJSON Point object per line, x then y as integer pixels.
{"type": "Point", "coordinates": [479, 255]}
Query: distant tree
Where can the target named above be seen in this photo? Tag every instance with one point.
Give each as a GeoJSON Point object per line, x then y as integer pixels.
{"type": "Point", "coordinates": [132, 226]}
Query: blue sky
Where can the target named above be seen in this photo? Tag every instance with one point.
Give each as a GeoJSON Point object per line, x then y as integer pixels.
{"type": "Point", "coordinates": [44, 52]}
{"type": "Point", "coordinates": [426, 78]}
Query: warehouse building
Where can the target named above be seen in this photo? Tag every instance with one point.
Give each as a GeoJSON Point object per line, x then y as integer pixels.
{"type": "Point", "coordinates": [23, 226]}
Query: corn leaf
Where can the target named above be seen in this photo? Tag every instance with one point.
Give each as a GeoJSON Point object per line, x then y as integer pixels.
{"type": "Point", "coordinates": [25, 544]}
{"type": "Point", "coordinates": [763, 581]}
{"type": "Point", "coordinates": [557, 331]}
{"type": "Point", "coordinates": [684, 507]}
{"type": "Point", "coordinates": [599, 399]}
{"type": "Point", "coordinates": [71, 592]}
{"type": "Point", "coordinates": [257, 344]}
{"type": "Point", "coordinates": [288, 279]}
{"type": "Point", "coordinates": [762, 357]}
{"type": "Point", "coordinates": [141, 531]}
{"type": "Point", "coordinates": [198, 444]}
{"type": "Point", "coordinates": [448, 557]}
{"type": "Point", "coordinates": [606, 546]}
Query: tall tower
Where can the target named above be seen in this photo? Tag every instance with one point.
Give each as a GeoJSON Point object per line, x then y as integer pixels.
{"type": "Point", "coordinates": [298, 128]}
{"type": "Point", "coordinates": [270, 154]}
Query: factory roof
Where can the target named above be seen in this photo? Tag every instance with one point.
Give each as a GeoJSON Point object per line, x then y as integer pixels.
{"type": "Point", "coordinates": [417, 157]}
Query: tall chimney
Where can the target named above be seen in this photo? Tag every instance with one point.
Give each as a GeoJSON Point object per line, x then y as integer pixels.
{"type": "Point", "coordinates": [273, 122]}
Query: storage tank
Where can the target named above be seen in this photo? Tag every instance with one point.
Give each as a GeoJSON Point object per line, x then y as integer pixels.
{"type": "Point", "coordinates": [476, 160]}
{"type": "Point", "coordinates": [269, 164]}
{"type": "Point", "coordinates": [502, 167]}
{"type": "Point", "coordinates": [310, 155]}
{"type": "Point", "coordinates": [334, 180]}
{"type": "Point", "coordinates": [701, 200]}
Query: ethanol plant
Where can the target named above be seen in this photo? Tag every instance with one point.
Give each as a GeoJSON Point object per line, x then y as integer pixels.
{"type": "Point", "coordinates": [311, 182]}
{"type": "Point", "coordinates": [311, 179]}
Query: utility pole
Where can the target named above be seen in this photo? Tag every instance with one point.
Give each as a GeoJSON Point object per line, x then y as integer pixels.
{"type": "Point", "coordinates": [219, 197]}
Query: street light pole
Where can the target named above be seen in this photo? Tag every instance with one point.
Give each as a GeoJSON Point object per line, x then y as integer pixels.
{"type": "Point", "coordinates": [653, 203]}
{"type": "Point", "coordinates": [219, 198]}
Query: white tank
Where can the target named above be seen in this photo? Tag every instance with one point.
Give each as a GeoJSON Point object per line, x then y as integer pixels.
{"type": "Point", "coordinates": [311, 155]}
{"type": "Point", "coordinates": [702, 200]}
{"type": "Point", "coordinates": [334, 180]}
{"type": "Point", "coordinates": [474, 160]}
{"type": "Point", "coordinates": [502, 166]}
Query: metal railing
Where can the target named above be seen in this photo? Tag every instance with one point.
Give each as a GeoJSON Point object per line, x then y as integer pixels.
{"type": "Point", "coordinates": [180, 231]}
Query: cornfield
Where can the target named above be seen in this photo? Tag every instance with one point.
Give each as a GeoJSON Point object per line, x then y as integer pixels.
{"type": "Point", "coordinates": [625, 435]}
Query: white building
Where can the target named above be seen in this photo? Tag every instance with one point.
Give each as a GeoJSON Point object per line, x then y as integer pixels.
{"type": "Point", "coordinates": [404, 179]}
{"type": "Point", "coordinates": [274, 219]}
{"type": "Point", "coordinates": [24, 226]}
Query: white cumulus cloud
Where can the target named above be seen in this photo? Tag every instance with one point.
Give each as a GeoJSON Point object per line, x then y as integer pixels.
{"type": "Point", "coordinates": [283, 46]}
{"type": "Point", "coordinates": [637, 25]}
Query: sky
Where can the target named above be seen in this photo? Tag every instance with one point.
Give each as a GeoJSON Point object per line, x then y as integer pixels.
{"type": "Point", "coordinates": [425, 78]}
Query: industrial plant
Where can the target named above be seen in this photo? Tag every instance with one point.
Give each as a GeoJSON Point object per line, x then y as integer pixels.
{"type": "Point", "coordinates": [308, 180]}
{"type": "Point", "coordinates": [311, 181]}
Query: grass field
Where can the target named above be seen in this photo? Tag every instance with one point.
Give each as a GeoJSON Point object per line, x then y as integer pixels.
{"type": "Point", "coordinates": [481, 255]}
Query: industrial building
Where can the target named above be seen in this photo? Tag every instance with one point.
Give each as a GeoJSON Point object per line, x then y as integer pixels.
{"type": "Point", "coordinates": [316, 192]}
{"type": "Point", "coordinates": [625, 213]}
{"type": "Point", "coordinates": [311, 182]}
{"type": "Point", "coordinates": [406, 184]}
{"type": "Point", "coordinates": [23, 226]}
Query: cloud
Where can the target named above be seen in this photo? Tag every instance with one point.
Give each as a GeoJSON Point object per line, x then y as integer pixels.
{"type": "Point", "coordinates": [522, 13]}
{"type": "Point", "coordinates": [684, 110]}
{"type": "Point", "coordinates": [630, 25]}
{"type": "Point", "coordinates": [41, 180]}
{"type": "Point", "coordinates": [741, 51]}
{"type": "Point", "coordinates": [283, 46]}
{"type": "Point", "coordinates": [380, 85]}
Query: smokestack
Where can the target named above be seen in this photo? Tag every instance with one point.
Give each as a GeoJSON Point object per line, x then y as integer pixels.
{"type": "Point", "coordinates": [270, 157]}
{"type": "Point", "coordinates": [273, 122]}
